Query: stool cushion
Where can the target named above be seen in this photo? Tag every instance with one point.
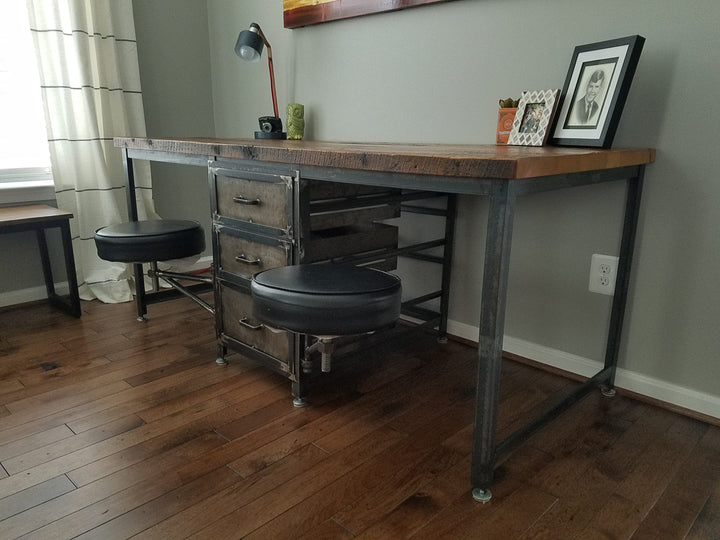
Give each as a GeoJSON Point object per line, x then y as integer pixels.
{"type": "Point", "coordinates": [326, 299]}
{"type": "Point", "coordinates": [150, 240]}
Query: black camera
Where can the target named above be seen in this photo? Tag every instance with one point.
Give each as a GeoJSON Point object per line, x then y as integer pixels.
{"type": "Point", "coordinates": [270, 128]}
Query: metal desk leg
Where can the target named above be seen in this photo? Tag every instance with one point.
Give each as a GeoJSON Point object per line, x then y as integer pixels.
{"type": "Point", "coordinates": [140, 303]}
{"type": "Point", "coordinates": [450, 213]}
{"type": "Point", "coordinates": [74, 305]}
{"type": "Point", "coordinates": [627, 244]}
{"type": "Point", "coordinates": [492, 322]}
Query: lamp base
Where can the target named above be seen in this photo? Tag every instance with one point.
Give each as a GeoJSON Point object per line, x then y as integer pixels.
{"type": "Point", "coordinates": [270, 135]}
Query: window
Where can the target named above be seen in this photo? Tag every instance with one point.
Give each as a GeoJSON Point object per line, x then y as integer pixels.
{"type": "Point", "coordinates": [24, 155]}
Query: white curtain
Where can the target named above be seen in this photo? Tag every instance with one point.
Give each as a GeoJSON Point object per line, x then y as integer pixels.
{"type": "Point", "coordinates": [90, 80]}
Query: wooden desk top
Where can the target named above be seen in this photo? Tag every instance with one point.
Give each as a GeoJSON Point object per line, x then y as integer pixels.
{"type": "Point", "coordinates": [31, 213]}
{"type": "Point", "coordinates": [465, 161]}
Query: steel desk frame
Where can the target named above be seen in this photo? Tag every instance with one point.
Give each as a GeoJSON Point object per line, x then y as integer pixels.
{"type": "Point", "coordinates": [502, 194]}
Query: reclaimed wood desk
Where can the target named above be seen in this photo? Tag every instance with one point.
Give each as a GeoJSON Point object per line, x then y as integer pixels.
{"type": "Point", "coordinates": [39, 218]}
{"type": "Point", "coordinates": [499, 173]}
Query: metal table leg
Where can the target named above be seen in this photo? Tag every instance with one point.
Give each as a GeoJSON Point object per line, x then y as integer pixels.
{"type": "Point", "coordinates": [492, 322]}
{"type": "Point", "coordinates": [627, 245]}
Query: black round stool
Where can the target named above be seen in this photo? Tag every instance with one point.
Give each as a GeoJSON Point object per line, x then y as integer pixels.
{"type": "Point", "coordinates": [326, 301]}
{"type": "Point", "coordinates": [150, 241]}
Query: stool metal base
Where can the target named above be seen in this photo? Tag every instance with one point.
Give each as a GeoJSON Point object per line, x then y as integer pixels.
{"type": "Point", "coordinates": [482, 495]}
{"type": "Point", "coordinates": [300, 402]}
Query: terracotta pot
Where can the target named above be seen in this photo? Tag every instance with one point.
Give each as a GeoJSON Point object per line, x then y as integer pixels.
{"type": "Point", "coordinates": [504, 124]}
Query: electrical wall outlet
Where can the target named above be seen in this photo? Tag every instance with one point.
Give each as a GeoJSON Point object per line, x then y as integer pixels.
{"type": "Point", "coordinates": [603, 271]}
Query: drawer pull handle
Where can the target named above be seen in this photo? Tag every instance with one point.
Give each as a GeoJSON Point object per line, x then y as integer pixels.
{"type": "Point", "coordinates": [244, 322]}
{"type": "Point", "coordinates": [243, 200]}
{"type": "Point", "coordinates": [244, 259]}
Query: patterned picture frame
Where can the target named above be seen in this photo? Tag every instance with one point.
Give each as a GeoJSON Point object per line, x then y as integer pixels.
{"type": "Point", "coordinates": [534, 117]}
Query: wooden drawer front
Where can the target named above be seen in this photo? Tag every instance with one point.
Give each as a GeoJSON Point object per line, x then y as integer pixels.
{"type": "Point", "coordinates": [266, 203]}
{"type": "Point", "coordinates": [245, 257]}
{"type": "Point", "coordinates": [359, 216]}
{"type": "Point", "coordinates": [343, 241]}
{"type": "Point", "coordinates": [237, 307]}
{"type": "Point", "coordinates": [320, 190]}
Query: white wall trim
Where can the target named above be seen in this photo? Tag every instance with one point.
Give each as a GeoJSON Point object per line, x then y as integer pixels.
{"type": "Point", "coordinates": [26, 192]}
{"type": "Point", "coordinates": [32, 294]}
{"type": "Point", "coordinates": [628, 380]}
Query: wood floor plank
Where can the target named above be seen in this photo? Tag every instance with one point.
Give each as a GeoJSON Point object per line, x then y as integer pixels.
{"type": "Point", "coordinates": [138, 472]}
{"type": "Point", "coordinates": [67, 366]}
{"type": "Point", "coordinates": [136, 431]}
{"type": "Point", "coordinates": [112, 372]}
{"type": "Point", "coordinates": [373, 405]}
{"type": "Point", "coordinates": [204, 514]}
{"type": "Point", "coordinates": [108, 407]}
{"type": "Point", "coordinates": [67, 445]}
{"type": "Point", "coordinates": [129, 516]}
{"type": "Point", "coordinates": [122, 469]}
{"type": "Point", "coordinates": [366, 492]}
{"type": "Point", "coordinates": [513, 515]}
{"type": "Point", "coordinates": [167, 393]}
{"type": "Point", "coordinates": [596, 488]}
{"type": "Point", "coordinates": [34, 441]}
{"type": "Point", "coordinates": [251, 516]}
{"type": "Point", "coordinates": [74, 460]}
{"type": "Point", "coordinates": [50, 402]}
{"type": "Point", "coordinates": [198, 389]}
{"type": "Point", "coordinates": [424, 503]}
{"type": "Point", "coordinates": [31, 497]}
{"type": "Point", "coordinates": [675, 512]}
{"type": "Point", "coordinates": [458, 518]}
{"type": "Point", "coordinates": [9, 384]}
{"type": "Point", "coordinates": [328, 530]}
{"type": "Point", "coordinates": [707, 524]}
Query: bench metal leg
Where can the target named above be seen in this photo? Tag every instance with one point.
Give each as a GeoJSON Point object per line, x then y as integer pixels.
{"type": "Point", "coordinates": [71, 304]}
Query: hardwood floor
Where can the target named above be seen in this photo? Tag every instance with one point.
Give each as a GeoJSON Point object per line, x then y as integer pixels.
{"type": "Point", "coordinates": [110, 428]}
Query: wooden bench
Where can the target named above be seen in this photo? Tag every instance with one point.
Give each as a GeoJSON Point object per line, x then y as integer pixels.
{"type": "Point", "coordinates": [38, 217]}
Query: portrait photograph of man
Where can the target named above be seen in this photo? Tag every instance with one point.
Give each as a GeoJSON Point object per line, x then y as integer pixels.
{"type": "Point", "coordinates": [590, 94]}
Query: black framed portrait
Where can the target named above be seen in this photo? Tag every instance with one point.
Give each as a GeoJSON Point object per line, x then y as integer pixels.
{"type": "Point", "coordinates": [595, 90]}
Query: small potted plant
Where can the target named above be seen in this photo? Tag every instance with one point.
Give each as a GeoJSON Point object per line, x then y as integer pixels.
{"type": "Point", "coordinates": [506, 116]}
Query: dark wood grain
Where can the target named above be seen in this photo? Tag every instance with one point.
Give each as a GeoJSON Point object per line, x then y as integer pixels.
{"type": "Point", "coordinates": [463, 161]}
{"type": "Point", "coordinates": [31, 213]}
{"type": "Point", "coordinates": [149, 438]}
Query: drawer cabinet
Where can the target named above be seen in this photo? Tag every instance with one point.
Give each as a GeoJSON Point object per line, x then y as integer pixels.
{"type": "Point", "coordinates": [266, 202]}
{"type": "Point", "coordinates": [238, 324]}
{"type": "Point", "coordinates": [270, 217]}
{"type": "Point", "coordinates": [244, 257]}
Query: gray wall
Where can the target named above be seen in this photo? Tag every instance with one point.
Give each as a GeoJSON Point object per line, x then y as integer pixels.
{"type": "Point", "coordinates": [172, 38]}
{"type": "Point", "coordinates": [376, 78]}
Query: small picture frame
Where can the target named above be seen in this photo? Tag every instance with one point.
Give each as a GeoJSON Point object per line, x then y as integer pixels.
{"type": "Point", "coordinates": [595, 90]}
{"type": "Point", "coordinates": [533, 118]}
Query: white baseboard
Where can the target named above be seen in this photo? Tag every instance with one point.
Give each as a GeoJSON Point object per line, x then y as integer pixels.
{"type": "Point", "coordinates": [628, 380]}
{"type": "Point", "coordinates": [31, 294]}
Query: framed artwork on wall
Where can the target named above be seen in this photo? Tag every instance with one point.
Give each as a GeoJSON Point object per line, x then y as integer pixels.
{"type": "Point", "coordinates": [298, 13]}
{"type": "Point", "coordinates": [595, 90]}
{"type": "Point", "coordinates": [533, 118]}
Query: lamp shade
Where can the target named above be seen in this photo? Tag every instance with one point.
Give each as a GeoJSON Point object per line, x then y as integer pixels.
{"type": "Point", "coordinates": [249, 45]}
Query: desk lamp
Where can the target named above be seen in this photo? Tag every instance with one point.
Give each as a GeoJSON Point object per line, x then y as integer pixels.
{"type": "Point", "coordinates": [249, 47]}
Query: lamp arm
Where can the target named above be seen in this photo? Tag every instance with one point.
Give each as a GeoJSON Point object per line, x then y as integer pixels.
{"type": "Point", "coordinates": [272, 71]}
